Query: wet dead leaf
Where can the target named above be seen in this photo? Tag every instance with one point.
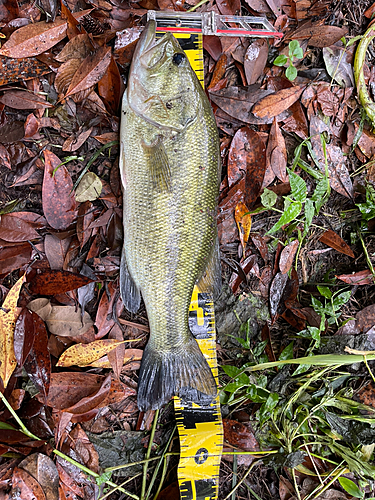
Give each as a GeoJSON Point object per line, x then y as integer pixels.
{"type": "Point", "coordinates": [20, 99]}
{"type": "Point", "coordinates": [90, 71]}
{"type": "Point", "coordinates": [14, 257]}
{"type": "Point", "coordinates": [366, 318]}
{"type": "Point", "coordinates": [111, 87]}
{"type": "Point", "coordinates": [85, 354]}
{"type": "Point", "coordinates": [38, 363]}
{"type": "Point", "coordinates": [31, 126]}
{"type": "Point", "coordinates": [255, 60]}
{"type": "Point", "coordinates": [16, 229]}
{"type": "Point", "coordinates": [334, 241]}
{"type": "Point", "coordinates": [55, 250]}
{"type": "Point", "coordinates": [89, 189]}
{"type": "Point", "coordinates": [339, 177]}
{"type": "Point", "coordinates": [129, 355]}
{"type": "Point", "coordinates": [276, 153]}
{"type": "Point", "coordinates": [339, 64]}
{"type": "Point", "coordinates": [78, 47]}
{"type": "Point", "coordinates": [65, 74]}
{"type": "Point", "coordinates": [24, 334]}
{"type": "Point", "coordinates": [52, 282]}
{"type": "Point", "coordinates": [274, 104]}
{"type": "Point", "coordinates": [59, 205]}
{"type": "Point", "coordinates": [247, 156]}
{"type": "Point", "coordinates": [34, 39]}
{"type": "Point", "coordinates": [243, 221]}
{"type": "Point", "coordinates": [75, 141]}
{"type": "Point", "coordinates": [229, 7]}
{"type": "Point", "coordinates": [261, 246]}
{"type": "Point", "coordinates": [67, 388]}
{"type": "Point", "coordinates": [64, 321]}
{"type": "Point", "coordinates": [43, 470]}
{"type": "Point", "coordinates": [239, 435]}
{"type": "Point", "coordinates": [93, 401]}
{"type": "Point", "coordinates": [237, 156]}
{"type": "Point", "coordinates": [25, 486]}
{"type": "Point", "coordinates": [360, 278]}
{"type": "Point", "coordinates": [287, 256]}
{"type": "Point", "coordinates": [84, 449]}
{"type": "Point", "coordinates": [9, 313]}
{"type": "Point", "coordinates": [238, 102]}
{"type": "Point", "coordinates": [320, 36]}
{"type": "Point", "coordinates": [366, 394]}
{"type": "Point", "coordinates": [219, 71]}
{"type": "Point", "coordinates": [241, 272]}
{"type": "Point", "coordinates": [125, 43]}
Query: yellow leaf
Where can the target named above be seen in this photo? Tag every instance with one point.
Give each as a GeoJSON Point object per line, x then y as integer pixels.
{"type": "Point", "coordinates": [130, 355]}
{"type": "Point", "coordinates": [243, 221]}
{"type": "Point", "coordinates": [9, 313]}
{"type": "Point", "coordinates": [85, 354]}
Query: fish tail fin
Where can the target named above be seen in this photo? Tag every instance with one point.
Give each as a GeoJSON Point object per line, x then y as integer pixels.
{"type": "Point", "coordinates": [164, 374]}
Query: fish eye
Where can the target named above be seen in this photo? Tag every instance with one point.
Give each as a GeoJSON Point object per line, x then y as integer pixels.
{"type": "Point", "coordinates": [178, 58]}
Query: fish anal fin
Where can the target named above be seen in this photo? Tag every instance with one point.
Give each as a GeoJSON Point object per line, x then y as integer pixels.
{"type": "Point", "coordinates": [130, 294]}
{"type": "Point", "coordinates": [210, 280]}
{"type": "Point", "coordinates": [160, 168]}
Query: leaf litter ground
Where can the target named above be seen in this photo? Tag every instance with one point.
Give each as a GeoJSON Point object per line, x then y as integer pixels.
{"type": "Point", "coordinates": [296, 222]}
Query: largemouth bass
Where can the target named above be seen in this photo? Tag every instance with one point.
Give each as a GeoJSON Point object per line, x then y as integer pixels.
{"type": "Point", "coordinates": [170, 168]}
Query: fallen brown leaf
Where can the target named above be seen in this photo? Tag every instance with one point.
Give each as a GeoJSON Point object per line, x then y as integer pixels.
{"type": "Point", "coordinates": [360, 278]}
{"type": "Point", "coordinates": [255, 60]}
{"type": "Point", "coordinates": [20, 99]}
{"type": "Point", "coordinates": [320, 36]}
{"type": "Point", "coordinates": [33, 39]}
{"type": "Point", "coordinates": [59, 203]}
{"type": "Point", "coordinates": [334, 241]}
{"type": "Point", "coordinates": [25, 486]}
{"type": "Point", "coordinates": [90, 71]}
{"type": "Point", "coordinates": [43, 470]}
{"type": "Point", "coordinates": [16, 229]}
{"type": "Point", "coordinates": [274, 104]}
{"type": "Point", "coordinates": [287, 256]}
{"type": "Point", "coordinates": [52, 282]}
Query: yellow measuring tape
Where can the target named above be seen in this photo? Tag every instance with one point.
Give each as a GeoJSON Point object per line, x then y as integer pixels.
{"type": "Point", "coordinates": [200, 427]}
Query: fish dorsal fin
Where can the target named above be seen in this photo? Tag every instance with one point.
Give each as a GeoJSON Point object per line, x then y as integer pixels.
{"type": "Point", "coordinates": [160, 168]}
{"type": "Point", "coordinates": [210, 280]}
{"type": "Point", "coordinates": [130, 294]}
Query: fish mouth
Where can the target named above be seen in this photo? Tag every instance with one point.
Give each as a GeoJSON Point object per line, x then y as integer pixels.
{"type": "Point", "coordinates": [151, 51]}
{"type": "Point", "coordinates": [146, 40]}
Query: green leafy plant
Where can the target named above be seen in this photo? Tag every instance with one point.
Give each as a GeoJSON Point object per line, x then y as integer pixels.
{"type": "Point", "coordinates": [295, 52]}
{"type": "Point", "coordinates": [298, 208]}
{"type": "Point", "coordinates": [367, 208]}
{"type": "Point", "coordinates": [330, 311]}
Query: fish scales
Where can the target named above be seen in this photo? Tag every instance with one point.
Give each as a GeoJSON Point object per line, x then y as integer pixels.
{"type": "Point", "coordinates": [170, 163]}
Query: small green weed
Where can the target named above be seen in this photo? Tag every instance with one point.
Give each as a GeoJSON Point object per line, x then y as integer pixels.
{"type": "Point", "coordinates": [330, 311]}
{"type": "Point", "coordinates": [367, 208]}
{"type": "Point", "coordinates": [295, 52]}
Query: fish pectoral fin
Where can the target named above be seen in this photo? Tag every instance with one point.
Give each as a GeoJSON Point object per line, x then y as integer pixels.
{"type": "Point", "coordinates": [160, 168]}
{"type": "Point", "coordinates": [165, 373]}
{"type": "Point", "coordinates": [130, 294]}
{"type": "Point", "coordinates": [210, 280]}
